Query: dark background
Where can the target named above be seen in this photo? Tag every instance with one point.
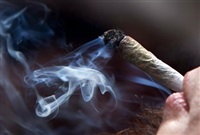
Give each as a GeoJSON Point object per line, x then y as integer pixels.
{"type": "Point", "coordinates": [170, 29]}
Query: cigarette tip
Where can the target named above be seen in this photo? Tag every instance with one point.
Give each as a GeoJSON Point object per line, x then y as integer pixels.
{"type": "Point", "coordinates": [113, 37]}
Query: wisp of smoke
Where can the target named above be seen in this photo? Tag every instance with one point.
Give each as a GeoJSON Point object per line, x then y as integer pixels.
{"type": "Point", "coordinates": [20, 30]}
{"type": "Point", "coordinates": [82, 72]}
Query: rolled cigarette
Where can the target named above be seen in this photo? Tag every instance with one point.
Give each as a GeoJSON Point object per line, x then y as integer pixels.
{"type": "Point", "coordinates": [136, 54]}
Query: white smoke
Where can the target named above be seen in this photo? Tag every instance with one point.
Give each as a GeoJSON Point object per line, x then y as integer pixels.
{"type": "Point", "coordinates": [80, 72]}
{"type": "Point", "coordinates": [86, 79]}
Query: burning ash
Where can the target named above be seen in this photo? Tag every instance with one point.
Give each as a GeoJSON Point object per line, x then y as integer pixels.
{"type": "Point", "coordinates": [79, 93]}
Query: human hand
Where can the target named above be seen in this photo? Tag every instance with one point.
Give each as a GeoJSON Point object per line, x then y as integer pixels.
{"type": "Point", "coordinates": [182, 110]}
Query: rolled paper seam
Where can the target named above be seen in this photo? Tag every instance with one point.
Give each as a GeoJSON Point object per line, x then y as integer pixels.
{"type": "Point", "coordinates": [136, 54]}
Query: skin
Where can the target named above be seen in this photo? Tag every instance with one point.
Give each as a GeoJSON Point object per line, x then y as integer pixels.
{"type": "Point", "coordinates": [182, 110]}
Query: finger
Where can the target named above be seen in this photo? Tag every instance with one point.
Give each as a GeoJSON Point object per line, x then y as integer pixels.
{"type": "Point", "coordinates": [191, 88]}
{"type": "Point", "coordinates": [175, 115]}
{"type": "Point", "coordinates": [175, 106]}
